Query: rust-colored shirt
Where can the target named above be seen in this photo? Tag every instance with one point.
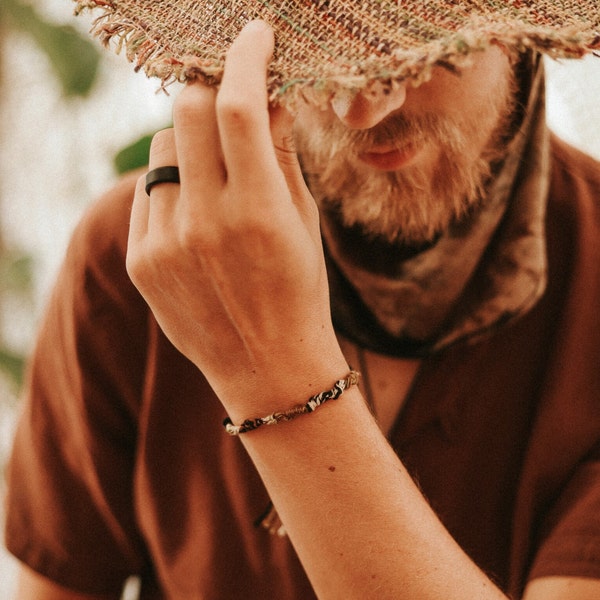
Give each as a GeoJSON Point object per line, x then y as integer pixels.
{"type": "Point", "coordinates": [121, 465]}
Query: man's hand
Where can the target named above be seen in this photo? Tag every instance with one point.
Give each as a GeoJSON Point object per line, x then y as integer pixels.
{"type": "Point", "coordinates": [231, 261]}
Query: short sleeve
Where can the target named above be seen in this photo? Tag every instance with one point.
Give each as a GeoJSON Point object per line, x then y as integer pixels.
{"type": "Point", "coordinates": [71, 470]}
{"type": "Point", "coordinates": [570, 530]}
{"type": "Point", "coordinates": [571, 541]}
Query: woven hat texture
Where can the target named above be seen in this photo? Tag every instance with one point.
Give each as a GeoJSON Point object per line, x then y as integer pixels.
{"type": "Point", "coordinates": [322, 45]}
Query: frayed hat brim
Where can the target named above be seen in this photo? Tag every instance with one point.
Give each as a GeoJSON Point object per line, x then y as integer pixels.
{"type": "Point", "coordinates": [325, 45]}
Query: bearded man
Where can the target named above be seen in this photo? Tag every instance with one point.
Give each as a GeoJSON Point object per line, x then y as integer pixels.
{"type": "Point", "coordinates": [420, 227]}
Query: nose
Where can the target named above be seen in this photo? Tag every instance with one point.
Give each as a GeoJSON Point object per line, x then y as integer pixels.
{"type": "Point", "coordinates": [368, 107]}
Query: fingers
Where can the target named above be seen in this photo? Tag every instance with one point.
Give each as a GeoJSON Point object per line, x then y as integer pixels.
{"type": "Point", "coordinates": [155, 212]}
{"type": "Point", "coordinates": [164, 194]}
{"type": "Point", "coordinates": [282, 123]}
{"type": "Point", "coordinates": [197, 143]}
{"type": "Point", "coordinates": [242, 107]}
{"type": "Point", "coordinates": [162, 150]}
{"type": "Point", "coordinates": [226, 138]}
{"type": "Point", "coordinates": [138, 224]}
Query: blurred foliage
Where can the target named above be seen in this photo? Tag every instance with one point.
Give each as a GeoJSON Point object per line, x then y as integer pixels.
{"type": "Point", "coordinates": [74, 61]}
{"type": "Point", "coordinates": [133, 156]}
{"type": "Point", "coordinates": [16, 278]}
{"type": "Point", "coordinates": [15, 272]}
{"type": "Point", "coordinates": [13, 367]}
{"type": "Point", "coordinates": [73, 58]}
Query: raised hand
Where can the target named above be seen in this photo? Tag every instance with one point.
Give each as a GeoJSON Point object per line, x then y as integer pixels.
{"type": "Point", "coordinates": [230, 260]}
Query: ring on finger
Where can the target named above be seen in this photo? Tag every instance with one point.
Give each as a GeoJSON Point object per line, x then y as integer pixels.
{"type": "Point", "coordinates": [161, 175]}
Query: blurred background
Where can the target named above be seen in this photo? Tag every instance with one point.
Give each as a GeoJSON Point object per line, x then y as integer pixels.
{"type": "Point", "coordinates": [72, 118]}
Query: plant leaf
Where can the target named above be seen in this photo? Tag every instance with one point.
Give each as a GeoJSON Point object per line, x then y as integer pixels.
{"type": "Point", "coordinates": [16, 271]}
{"type": "Point", "coordinates": [13, 365]}
{"type": "Point", "coordinates": [73, 58]}
{"type": "Point", "coordinates": [133, 156]}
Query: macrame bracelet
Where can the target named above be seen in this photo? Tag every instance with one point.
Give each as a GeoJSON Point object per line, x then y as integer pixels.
{"type": "Point", "coordinates": [300, 409]}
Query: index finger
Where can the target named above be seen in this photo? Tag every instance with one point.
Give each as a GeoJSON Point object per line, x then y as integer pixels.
{"type": "Point", "coordinates": [242, 105]}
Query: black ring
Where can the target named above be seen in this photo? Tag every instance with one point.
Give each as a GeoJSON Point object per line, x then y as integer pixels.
{"type": "Point", "coordinates": [161, 175]}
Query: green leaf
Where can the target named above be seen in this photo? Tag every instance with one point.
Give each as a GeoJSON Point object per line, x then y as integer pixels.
{"type": "Point", "coordinates": [16, 271]}
{"type": "Point", "coordinates": [133, 156]}
{"type": "Point", "coordinates": [73, 58]}
{"type": "Point", "coordinates": [12, 365]}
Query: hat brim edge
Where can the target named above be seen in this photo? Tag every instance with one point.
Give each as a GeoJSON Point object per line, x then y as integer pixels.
{"type": "Point", "coordinates": [156, 61]}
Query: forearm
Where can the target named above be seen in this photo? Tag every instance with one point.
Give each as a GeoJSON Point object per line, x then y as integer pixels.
{"type": "Point", "coordinates": [231, 262]}
{"type": "Point", "coordinates": [356, 519]}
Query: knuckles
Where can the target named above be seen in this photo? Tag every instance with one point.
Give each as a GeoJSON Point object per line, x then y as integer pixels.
{"type": "Point", "coordinates": [163, 141]}
{"type": "Point", "coordinates": [194, 101]}
{"type": "Point", "coordinates": [197, 100]}
{"type": "Point", "coordinates": [236, 111]}
{"type": "Point", "coordinates": [135, 265]}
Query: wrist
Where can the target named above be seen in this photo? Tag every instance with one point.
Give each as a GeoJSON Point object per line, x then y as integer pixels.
{"type": "Point", "coordinates": [289, 414]}
{"type": "Point", "coordinates": [279, 385]}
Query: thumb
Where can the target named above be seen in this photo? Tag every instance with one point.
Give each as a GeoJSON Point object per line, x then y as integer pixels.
{"type": "Point", "coordinates": [282, 122]}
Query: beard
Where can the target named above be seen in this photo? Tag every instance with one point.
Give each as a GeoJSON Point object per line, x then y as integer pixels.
{"type": "Point", "coordinates": [416, 203]}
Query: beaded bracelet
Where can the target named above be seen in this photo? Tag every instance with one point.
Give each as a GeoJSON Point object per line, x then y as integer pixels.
{"type": "Point", "coordinates": [300, 409]}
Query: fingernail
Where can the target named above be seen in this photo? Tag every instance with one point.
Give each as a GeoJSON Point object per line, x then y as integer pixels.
{"type": "Point", "coordinates": [342, 101]}
{"type": "Point", "coordinates": [257, 25]}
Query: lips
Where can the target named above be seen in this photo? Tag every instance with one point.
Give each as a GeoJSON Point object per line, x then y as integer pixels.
{"type": "Point", "coordinates": [385, 158]}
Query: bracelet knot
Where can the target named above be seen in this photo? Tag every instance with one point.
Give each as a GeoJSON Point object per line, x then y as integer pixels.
{"type": "Point", "coordinates": [339, 387]}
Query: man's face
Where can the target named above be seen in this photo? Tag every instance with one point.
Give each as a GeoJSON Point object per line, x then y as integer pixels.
{"type": "Point", "coordinates": [405, 164]}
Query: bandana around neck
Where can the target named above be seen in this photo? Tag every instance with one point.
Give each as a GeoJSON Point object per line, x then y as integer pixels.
{"type": "Point", "coordinates": [483, 272]}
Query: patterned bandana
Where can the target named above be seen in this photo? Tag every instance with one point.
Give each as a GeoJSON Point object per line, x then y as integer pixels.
{"type": "Point", "coordinates": [484, 271]}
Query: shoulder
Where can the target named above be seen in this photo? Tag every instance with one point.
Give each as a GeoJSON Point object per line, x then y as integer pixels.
{"type": "Point", "coordinates": [574, 172]}
{"type": "Point", "coordinates": [93, 279]}
{"type": "Point", "coordinates": [98, 246]}
{"type": "Point", "coordinates": [574, 200]}
{"type": "Point", "coordinates": [574, 161]}
{"type": "Point", "coordinates": [105, 224]}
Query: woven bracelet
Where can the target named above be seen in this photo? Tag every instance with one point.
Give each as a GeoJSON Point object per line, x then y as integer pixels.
{"type": "Point", "coordinates": [300, 409]}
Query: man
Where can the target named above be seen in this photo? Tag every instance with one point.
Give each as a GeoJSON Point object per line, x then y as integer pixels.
{"type": "Point", "coordinates": [460, 259]}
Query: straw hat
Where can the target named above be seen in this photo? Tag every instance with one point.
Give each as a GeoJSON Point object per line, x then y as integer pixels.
{"type": "Point", "coordinates": [322, 45]}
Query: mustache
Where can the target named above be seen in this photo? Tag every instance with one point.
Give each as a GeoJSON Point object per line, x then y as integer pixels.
{"type": "Point", "coordinates": [398, 131]}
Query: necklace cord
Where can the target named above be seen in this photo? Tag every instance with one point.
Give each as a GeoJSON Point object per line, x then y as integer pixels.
{"type": "Point", "coordinates": [366, 380]}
